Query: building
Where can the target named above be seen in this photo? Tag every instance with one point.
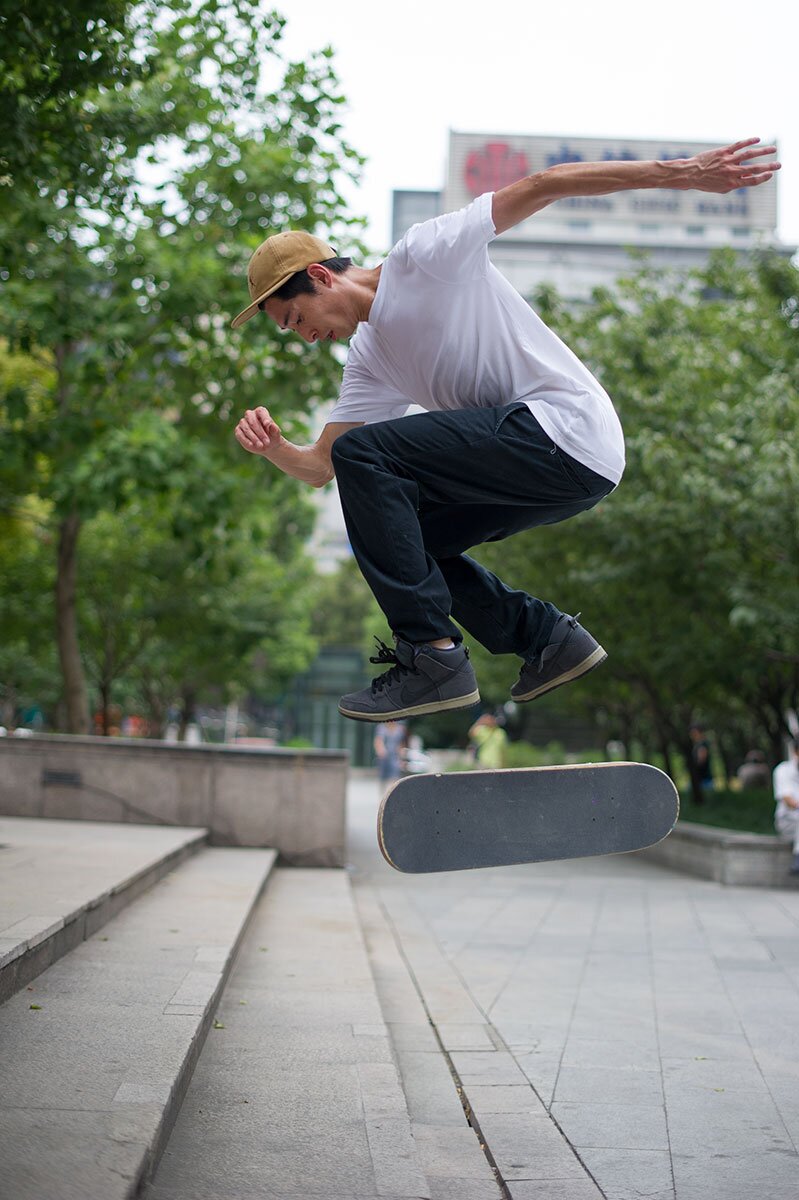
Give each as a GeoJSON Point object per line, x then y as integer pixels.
{"type": "Point", "coordinates": [584, 242]}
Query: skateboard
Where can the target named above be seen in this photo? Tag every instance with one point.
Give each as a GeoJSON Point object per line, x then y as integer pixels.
{"type": "Point", "coordinates": [468, 819]}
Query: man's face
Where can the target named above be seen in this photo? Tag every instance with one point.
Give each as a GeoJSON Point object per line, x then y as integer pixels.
{"type": "Point", "coordinates": [324, 316]}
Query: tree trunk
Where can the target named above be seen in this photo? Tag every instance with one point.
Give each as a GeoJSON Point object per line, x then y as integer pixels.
{"type": "Point", "coordinates": [697, 791]}
{"type": "Point", "coordinates": [665, 750]}
{"type": "Point", "coordinates": [156, 710]}
{"type": "Point", "coordinates": [664, 728]}
{"type": "Point", "coordinates": [105, 706]}
{"type": "Point", "coordinates": [188, 709]}
{"type": "Point", "coordinates": [76, 699]}
{"type": "Point", "coordinates": [730, 756]}
{"type": "Point", "coordinates": [8, 709]}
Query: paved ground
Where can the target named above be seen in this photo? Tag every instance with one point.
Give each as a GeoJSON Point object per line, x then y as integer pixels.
{"type": "Point", "coordinates": [617, 1030]}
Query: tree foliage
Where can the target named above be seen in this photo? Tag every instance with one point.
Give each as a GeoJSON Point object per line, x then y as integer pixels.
{"type": "Point", "coordinates": [54, 59]}
{"type": "Point", "coordinates": [123, 260]}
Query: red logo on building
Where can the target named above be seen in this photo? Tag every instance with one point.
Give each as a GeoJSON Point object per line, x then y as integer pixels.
{"type": "Point", "coordinates": [493, 167]}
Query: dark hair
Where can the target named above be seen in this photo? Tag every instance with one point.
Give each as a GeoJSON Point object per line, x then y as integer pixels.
{"type": "Point", "coordinates": [301, 284]}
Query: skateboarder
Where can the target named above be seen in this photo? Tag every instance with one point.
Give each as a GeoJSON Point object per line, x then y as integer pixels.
{"type": "Point", "coordinates": [517, 431]}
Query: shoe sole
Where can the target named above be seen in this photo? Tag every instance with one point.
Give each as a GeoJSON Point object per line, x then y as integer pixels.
{"type": "Point", "coordinates": [416, 710]}
{"type": "Point", "coordinates": [594, 660]}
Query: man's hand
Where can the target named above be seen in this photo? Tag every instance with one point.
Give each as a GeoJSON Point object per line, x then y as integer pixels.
{"type": "Point", "coordinates": [726, 169]}
{"type": "Point", "coordinates": [257, 431]}
{"type": "Point", "coordinates": [721, 170]}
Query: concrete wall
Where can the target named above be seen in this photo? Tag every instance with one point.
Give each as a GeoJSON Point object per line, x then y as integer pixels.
{"type": "Point", "coordinates": [291, 800]}
{"type": "Point", "coordinates": [732, 858]}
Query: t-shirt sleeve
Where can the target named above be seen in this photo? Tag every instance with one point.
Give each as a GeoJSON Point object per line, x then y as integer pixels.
{"type": "Point", "coordinates": [454, 246]}
{"type": "Point", "coordinates": [784, 782]}
{"type": "Point", "coordinates": [365, 398]}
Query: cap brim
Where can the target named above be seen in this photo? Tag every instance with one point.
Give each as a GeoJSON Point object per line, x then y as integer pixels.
{"type": "Point", "coordinates": [245, 315]}
{"type": "Point", "coordinates": [252, 309]}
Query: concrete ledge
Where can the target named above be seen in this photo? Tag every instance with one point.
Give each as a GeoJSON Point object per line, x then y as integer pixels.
{"type": "Point", "coordinates": [291, 800]}
{"type": "Point", "coordinates": [740, 859]}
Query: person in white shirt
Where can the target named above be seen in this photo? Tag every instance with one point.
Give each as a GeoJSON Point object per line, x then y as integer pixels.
{"type": "Point", "coordinates": [517, 432]}
{"type": "Point", "coordinates": [786, 793]}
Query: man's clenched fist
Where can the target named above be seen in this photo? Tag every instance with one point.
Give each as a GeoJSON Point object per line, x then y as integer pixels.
{"type": "Point", "coordinates": [257, 431]}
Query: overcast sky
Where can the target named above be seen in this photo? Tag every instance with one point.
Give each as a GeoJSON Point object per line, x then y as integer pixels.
{"type": "Point", "coordinates": [715, 70]}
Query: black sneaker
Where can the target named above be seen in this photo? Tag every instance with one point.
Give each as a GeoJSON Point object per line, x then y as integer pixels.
{"type": "Point", "coordinates": [570, 652]}
{"type": "Point", "coordinates": [421, 680]}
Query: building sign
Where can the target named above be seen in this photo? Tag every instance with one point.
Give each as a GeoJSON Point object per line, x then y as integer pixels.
{"type": "Point", "coordinates": [493, 166]}
{"type": "Point", "coordinates": [484, 163]}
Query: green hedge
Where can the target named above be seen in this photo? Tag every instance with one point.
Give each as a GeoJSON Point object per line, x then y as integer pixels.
{"type": "Point", "coordinates": [745, 811]}
{"type": "Point", "coordinates": [523, 754]}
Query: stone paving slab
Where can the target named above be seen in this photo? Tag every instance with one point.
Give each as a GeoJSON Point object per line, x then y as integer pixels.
{"type": "Point", "coordinates": [555, 1189]}
{"type": "Point", "coordinates": [525, 1142]}
{"type": "Point", "coordinates": [60, 881]}
{"type": "Point", "coordinates": [299, 1094]}
{"type": "Point", "coordinates": [94, 1059]}
{"type": "Point", "coordinates": [650, 1012]}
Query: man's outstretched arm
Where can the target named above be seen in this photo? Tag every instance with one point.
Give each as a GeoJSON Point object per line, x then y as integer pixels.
{"type": "Point", "coordinates": [722, 170]}
{"type": "Point", "coordinates": [258, 432]}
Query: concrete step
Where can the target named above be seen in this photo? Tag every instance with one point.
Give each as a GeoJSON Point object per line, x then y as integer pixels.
{"type": "Point", "coordinates": [60, 881]}
{"type": "Point", "coordinates": [299, 1095]}
{"type": "Point", "coordinates": [96, 1054]}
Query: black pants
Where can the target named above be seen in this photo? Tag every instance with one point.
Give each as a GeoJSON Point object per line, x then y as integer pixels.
{"type": "Point", "coordinates": [419, 491]}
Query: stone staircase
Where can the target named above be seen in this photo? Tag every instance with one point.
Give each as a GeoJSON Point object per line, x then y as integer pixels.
{"type": "Point", "coordinates": [115, 945]}
{"type": "Point", "coordinates": [170, 1021]}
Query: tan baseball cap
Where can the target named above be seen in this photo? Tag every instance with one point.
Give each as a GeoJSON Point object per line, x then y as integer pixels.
{"type": "Point", "coordinates": [275, 261]}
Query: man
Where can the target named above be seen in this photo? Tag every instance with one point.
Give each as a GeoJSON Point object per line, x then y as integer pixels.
{"type": "Point", "coordinates": [517, 431]}
{"type": "Point", "coordinates": [786, 793]}
{"type": "Point", "coordinates": [490, 742]}
{"type": "Point", "coordinates": [701, 761]}
{"type": "Point", "coordinates": [390, 740]}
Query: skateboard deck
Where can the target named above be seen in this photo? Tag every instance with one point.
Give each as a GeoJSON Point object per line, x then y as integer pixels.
{"type": "Point", "coordinates": [467, 819]}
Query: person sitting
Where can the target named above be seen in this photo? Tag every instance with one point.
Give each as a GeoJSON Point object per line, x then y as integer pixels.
{"type": "Point", "coordinates": [786, 793]}
{"type": "Point", "coordinates": [753, 771]}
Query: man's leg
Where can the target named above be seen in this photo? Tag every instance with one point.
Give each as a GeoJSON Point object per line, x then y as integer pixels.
{"type": "Point", "coordinates": [503, 619]}
{"type": "Point", "coordinates": [495, 472]}
{"type": "Point", "coordinates": [478, 474]}
{"type": "Point", "coordinates": [787, 826]}
{"type": "Point", "coordinates": [555, 648]}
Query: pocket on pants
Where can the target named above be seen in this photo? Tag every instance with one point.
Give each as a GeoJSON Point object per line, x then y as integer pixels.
{"type": "Point", "coordinates": [507, 410]}
{"type": "Point", "coordinates": [571, 470]}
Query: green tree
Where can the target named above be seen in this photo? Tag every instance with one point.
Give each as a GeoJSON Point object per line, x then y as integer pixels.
{"type": "Point", "coordinates": [28, 666]}
{"type": "Point", "coordinates": [124, 289]}
{"type": "Point", "coordinates": [345, 613]}
{"type": "Point", "coordinates": [169, 622]}
{"type": "Point", "coordinates": [53, 59]}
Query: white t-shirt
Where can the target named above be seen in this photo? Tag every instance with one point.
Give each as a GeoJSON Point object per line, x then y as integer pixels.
{"type": "Point", "coordinates": [447, 331]}
{"type": "Point", "coordinates": [786, 783]}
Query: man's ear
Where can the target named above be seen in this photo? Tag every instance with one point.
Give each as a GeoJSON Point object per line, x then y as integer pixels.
{"type": "Point", "coordinates": [320, 274]}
